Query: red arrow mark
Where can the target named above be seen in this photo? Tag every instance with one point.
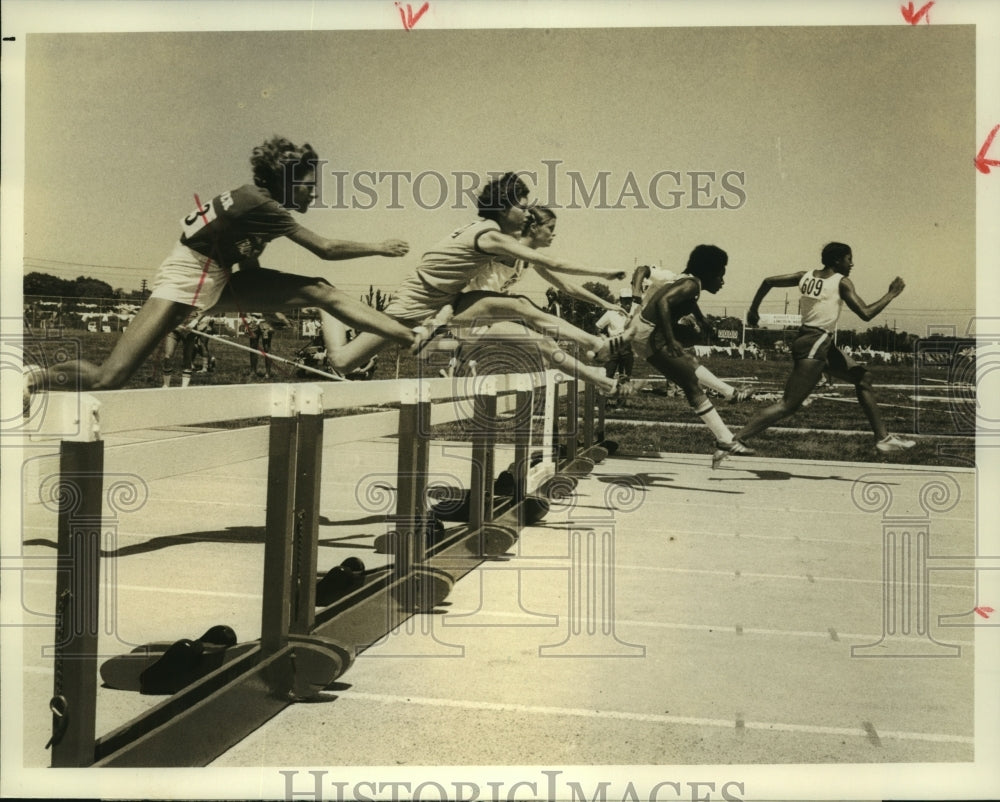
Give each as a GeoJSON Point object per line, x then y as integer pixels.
{"type": "Point", "coordinates": [982, 163]}
{"type": "Point", "coordinates": [409, 18]}
{"type": "Point", "coordinates": [913, 17]}
{"type": "Point", "coordinates": [984, 611]}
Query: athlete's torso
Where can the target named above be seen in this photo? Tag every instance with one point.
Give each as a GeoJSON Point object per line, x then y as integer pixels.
{"type": "Point", "coordinates": [819, 300]}
{"type": "Point", "coordinates": [236, 225]}
{"type": "Point", "coordinates": [456, 260]}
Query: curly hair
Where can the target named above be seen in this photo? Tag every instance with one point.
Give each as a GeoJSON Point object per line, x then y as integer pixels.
{"type": "Point", "coordinates": [707, 261]}
{"type": "Point", "coordinates": [833, 252]}
{"type": "Point", "coordinates": [278, 160]}
{"type": "Point", "coordinates": [536, 216]}
{"type": "Point", "coordinates": [501, 194]}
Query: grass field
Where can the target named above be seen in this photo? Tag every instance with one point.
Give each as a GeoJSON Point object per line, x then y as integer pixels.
{"type": "Point", "coordinates": [913, 401]}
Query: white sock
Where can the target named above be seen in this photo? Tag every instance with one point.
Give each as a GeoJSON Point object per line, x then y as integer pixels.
{"type": "Point", "coordinates": [185, 378]}
{"type": "Point", "coordinates": [708, 379]}
{"type": "Point", "coordinates": [710, 417]}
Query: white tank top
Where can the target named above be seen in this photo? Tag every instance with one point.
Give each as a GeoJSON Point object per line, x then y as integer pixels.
{"type": "Point", "coordinates": [497, 277]}
{"type": "Point", "coordinates": [657, 276]}
{"type": "Point", "coordinates": [452, 262]}
{"type": "Point", "coordinates": [819, 300]}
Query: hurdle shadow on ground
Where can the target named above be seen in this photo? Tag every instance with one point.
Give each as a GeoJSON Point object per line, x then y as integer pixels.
{"type": "Point", "coordinates": [644, 481]}
{"type": "Point", "coordinates": [348, 541]}
{"type": "Point", "coordinates": [782, 476]}
{"type": "Point", "coordinates": [232, 534]}
{"type": "Point", "coordinates": [362, 521]}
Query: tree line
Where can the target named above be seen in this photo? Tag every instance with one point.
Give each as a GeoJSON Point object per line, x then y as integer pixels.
{"type": "Point", "coordinates": [36, 283]}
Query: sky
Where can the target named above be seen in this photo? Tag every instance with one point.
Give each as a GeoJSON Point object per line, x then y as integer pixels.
{"type": "Point", "coordinates": [768, 141]}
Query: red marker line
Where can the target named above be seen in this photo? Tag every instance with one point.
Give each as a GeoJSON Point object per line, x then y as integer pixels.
{"type": "Point", "coordinates": [204, 271]}
{"type": "Point", "coordinates": [913, 17]}
{"type": "Point", "coordinates": [982, 163]}
{"type": "Point", "coordinates": [409, 18]}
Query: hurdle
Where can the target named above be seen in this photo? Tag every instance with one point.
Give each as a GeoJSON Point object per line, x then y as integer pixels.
{"type": "Point", "coordinates": [302, 649]}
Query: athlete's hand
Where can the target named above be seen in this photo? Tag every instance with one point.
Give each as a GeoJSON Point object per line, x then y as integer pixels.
{"type": "Point", "coordinates": [616, 275]}
{"type": "Point", "coordinates": [394, 247]}
{"type": "Point", "coordinates": [753, 317]}
{"type": "Point", "coordinates": [897, 286]}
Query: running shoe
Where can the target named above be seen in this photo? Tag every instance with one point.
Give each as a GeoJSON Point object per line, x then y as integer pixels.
{"type": "Point", "coordinates": [610, 347]}
{"type": "Point", "coordinates": [892, 443]}
{"type": "Point", "coordinates": [620, 391]}
{"type": "Point", "coordinates": [733, 449]}
{"type": "Point", "coordinates": [430, 328]}
{"type": "Point", "coordinates": [625, 387]}
{"type": "Point", "coordinates": [741, 395]}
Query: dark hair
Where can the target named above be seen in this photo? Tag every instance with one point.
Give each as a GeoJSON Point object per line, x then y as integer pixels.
{"type": "Point", "coordinates": [833, 252]}
{"type": "Point", "coordinates": [707, 261]}
{"type": "Point", "coordinates": [537, 215]}
{"type": "Point", "coordinates": [278, 162]}
{"type": "Point", "coordinates": [500, 195]}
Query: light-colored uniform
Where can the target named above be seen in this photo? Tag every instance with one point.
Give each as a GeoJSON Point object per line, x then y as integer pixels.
{"type": "Point", "coordinates": [820, 305]}
{"type": "Point", "coordinates": [230, 228]}
{"type": "Point", "coordinates": [443, 272]}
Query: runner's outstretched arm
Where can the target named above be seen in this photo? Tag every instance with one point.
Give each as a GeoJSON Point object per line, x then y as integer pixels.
{"type": "Point", "coordinates": [784, 280]}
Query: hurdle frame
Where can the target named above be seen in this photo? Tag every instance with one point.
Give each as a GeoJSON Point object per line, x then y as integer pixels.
{"type": "Point", "coordinates": [208, 716]}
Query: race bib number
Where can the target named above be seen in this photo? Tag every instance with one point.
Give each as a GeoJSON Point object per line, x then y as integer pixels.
{"type": "Point", "coordinates": [203, 217]}
{"type": "Point", "coordinates": [198, 219]}
{"type": "Point", "coordinates": [812, 286]}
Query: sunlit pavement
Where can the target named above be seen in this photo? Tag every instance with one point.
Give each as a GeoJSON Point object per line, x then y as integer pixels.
{"type": "Point", "coordinates": [664, 613]}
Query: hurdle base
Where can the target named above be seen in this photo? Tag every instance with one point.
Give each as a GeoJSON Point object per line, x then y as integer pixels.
{"type": "Point", "coordinates": [579, 466]}
{"type": "Point", "coordinates": [196, 725]}
{"type": "Point", "coordinates": [596, 453]}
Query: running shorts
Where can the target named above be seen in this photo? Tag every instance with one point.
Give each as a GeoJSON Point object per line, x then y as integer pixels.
{"type": "Point", "coordinates": [188, 277]}
{"type": "Point", "coordinates": [816, 343]}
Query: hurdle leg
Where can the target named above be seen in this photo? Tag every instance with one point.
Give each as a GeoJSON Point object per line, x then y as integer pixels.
{"type": "Point", "coordinates": [572, 418]}
{"type": "Point", "coordinates": [410, 546]}
{"type": "Point", "coordinates": [481, 480]}
{"type": "Point", "coordinates": [588, 415]}
{"type": "Point", "coordinates": [575, 463]}
{"type": "Point", "coordinates": [418, 586]}
{"type": "Point", "coordinates": [305, 546]}
{"type": "Point", "coordinates": [280, 523]}
{"type": "Point", "coordinates": [522, 442]}
{"type": "Point", "coordinates": [74, 697]}
{"type": "Point", "coordinates": [592, 450]}
{"type": "Point", "coordinates": [601, 420]}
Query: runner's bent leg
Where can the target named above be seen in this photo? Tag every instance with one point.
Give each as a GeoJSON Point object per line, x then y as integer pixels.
{"type": "Point", "coordinates": [803, 378]}
{"type": "Point", "coordinates": [154, 320]}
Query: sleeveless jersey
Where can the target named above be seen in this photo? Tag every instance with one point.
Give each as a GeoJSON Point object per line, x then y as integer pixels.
{"type": "Point", "coordinates": [657, 276]}
{"type": "Point", "coordinates": [497, 277]}
{"type": "Point", "coordinates": [666, 280]}
{"type": "Point", "coordinates": [236, 225]}
{"type": "Point", "coordinates": [443, 272]}
{"type": "Point", "coordinates": [647, 337]}
{"type": "Point", "coordinates": [819, 300]}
